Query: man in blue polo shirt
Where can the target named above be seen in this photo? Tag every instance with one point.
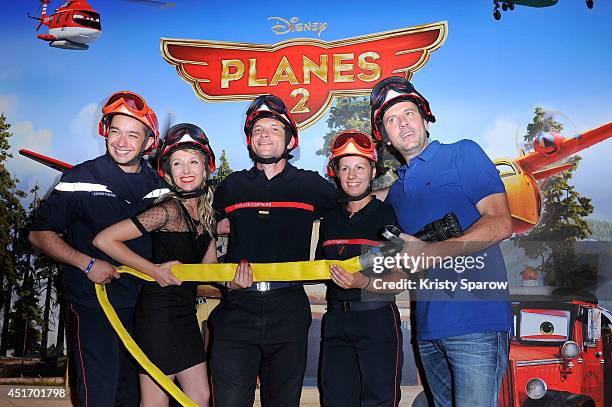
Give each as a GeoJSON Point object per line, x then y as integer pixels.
{"type": "Point", "coordinates": [463, 335]}
{"type": "Point", "coordinates": [90, 197]}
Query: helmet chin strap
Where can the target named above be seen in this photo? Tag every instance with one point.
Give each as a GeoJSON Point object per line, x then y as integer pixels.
{"type": "Point", "coordinates": [347, 198]}
{"type": "Point", "coordinates": [268, 160]}
{"type": "Point", "coordinates": [190, 194]}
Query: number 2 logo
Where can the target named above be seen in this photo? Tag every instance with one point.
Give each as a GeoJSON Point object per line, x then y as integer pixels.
{"type": "Point", "coordinates": [301, 107]}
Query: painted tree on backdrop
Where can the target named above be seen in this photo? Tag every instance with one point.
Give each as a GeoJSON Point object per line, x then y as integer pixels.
{"type": "Point", "coordinates": [26, 321]}
{"type": "Point", "coordinates": [224, 167]}
{"type": "Point", "coordinates": [223, 171]}
{"type": "Point", "coordinates": [47, 275]}
{"type": "Point", "coordinates": [563, 221]}
{"type": "Point", "coordinates": [354, 113]}
{"type": "Point", "coordinates": [12, 218]}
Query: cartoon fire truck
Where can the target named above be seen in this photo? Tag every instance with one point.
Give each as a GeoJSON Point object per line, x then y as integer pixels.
{"type": "Point", "coordinates": [561, 353]}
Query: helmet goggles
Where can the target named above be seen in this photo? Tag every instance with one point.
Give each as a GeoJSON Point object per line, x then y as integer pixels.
{"type": "Point", "coordinates": [269, 106]}
{"type": "Point", "coordinates": [360, 141]}
{"type": "Point", "coordinates": [268, 102]}
{"type": "Point", "coordinates": [390, 91]}
{"type": "Point", "coordinates": [351, 142]}
{"type": "Point", "coordinates": [132, 105]}
{"type": "Point", "coordinates": [132, 101]}
{"type": "Point", "coordinates": [185, 136]}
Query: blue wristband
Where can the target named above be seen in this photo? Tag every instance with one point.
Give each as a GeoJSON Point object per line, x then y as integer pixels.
{"type": "Point", "coordinates": [90, 265]}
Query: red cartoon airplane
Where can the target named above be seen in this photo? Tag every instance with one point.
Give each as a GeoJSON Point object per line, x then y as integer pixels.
{"type": "Point", "coordinates": [522, 176]}
{"type": "Point", "coordinates": [48, 161]}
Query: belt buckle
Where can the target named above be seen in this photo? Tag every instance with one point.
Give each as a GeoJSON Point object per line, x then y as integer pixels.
{"type": "Point", "coordinates": [346, 306]}
{"type": "Point", "coordinates": [263, 286]}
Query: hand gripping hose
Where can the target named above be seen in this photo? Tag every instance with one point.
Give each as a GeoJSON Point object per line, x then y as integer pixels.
{"type": "Point", "coordinates": [292, 271]}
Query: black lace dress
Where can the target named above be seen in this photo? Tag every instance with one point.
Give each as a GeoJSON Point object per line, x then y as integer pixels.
{"type": "Point", "coordinates": [165, 323]}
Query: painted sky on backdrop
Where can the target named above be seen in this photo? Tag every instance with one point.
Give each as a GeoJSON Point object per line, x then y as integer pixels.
{"type": "Point", "coordinates": [483, 83]}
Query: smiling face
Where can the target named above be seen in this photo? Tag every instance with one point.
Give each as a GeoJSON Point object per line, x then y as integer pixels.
{"type": "Point", "coordinates": [126, 136]}
{"type": "Point", "coordinates": [355, 174]}
{"type": "Point", "coordinates": [188, 169]}
{"type": "Point", "coordinates": [268, 138]}
{"type": "Point", "coordinates": [406, 129]}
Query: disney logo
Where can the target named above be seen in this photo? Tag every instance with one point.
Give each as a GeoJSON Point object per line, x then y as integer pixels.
{"type": "Point", "coordinates": [283, 26]}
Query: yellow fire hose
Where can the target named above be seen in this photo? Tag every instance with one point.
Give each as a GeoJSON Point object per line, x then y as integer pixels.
{"type": "Point", "coordinates": [291, 271]}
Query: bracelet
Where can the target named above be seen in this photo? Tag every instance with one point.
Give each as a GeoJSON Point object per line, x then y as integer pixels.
{"type": "Point", "coordinates": [226, 285]}
{"type": "Point", "coordinates": [368, 284]}
{"type": "Point", "coordinates": [90, 265]}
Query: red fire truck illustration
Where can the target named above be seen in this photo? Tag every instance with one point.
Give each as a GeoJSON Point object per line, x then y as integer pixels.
{"type": "Point", "coordinates": [561, 353]}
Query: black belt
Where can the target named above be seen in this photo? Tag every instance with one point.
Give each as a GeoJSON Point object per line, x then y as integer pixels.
{"type": "Point", "coordinates": [272, 290]}
{"type": "Point", "coordinates": [265, 286]}
{"type": "Point", "coordinates": [346, 306]}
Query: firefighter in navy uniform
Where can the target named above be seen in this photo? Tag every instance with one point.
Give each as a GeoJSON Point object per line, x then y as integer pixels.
{"type": "Point", "coordinates": [262, 328]}
{"type": "Point", "coordinates": [89, 197]}
{"type": "Point", "coordinates": [361, 355]}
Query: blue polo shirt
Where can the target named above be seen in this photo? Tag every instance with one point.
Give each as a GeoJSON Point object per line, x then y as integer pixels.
{"type": "Point", "coordinates": [444, 178]}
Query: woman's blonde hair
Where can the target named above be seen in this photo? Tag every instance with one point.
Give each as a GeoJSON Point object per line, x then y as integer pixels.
{"type": "Point", "coordinates": [205, 208]}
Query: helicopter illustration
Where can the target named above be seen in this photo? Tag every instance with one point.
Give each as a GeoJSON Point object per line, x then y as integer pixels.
{"type": "Point", "coordinates": [522, 176]}
{"type": "Point", "coordinates": [506, 5]}
{"type": "Point", "coordinates": [75, 24]}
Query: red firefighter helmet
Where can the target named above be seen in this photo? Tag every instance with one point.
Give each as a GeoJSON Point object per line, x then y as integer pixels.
{"type": "Point", "coordinates": [390, 91]}
{"type": "Point", "coordinates": [130, 104]}
{"type": "Point", "coordinates": [270, 106]}
{"type": "Point", "coordinates": [179, 137]}
{"type": "Point", "coordinates": [351, 142]}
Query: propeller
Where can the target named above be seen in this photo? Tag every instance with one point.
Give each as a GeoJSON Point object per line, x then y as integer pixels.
{"type": "Point", "coordinates": [162, 4]}
{"type": "Point", "coordinates": [36, 18]}
{"type": "Point", "coordinates": [519, 144]}
{"type": "Point", "coordinates": [163, 129]}
{"type": "Point", "coordinates": [550, 114]}
{"type": "Point", "coordinates": [170, 116]}
{"type": "Point", "coordinates": [42, 8]}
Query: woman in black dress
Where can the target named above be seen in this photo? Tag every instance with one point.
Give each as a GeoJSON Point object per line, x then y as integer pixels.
{"type": "Point", "coordinates": [182, 228]}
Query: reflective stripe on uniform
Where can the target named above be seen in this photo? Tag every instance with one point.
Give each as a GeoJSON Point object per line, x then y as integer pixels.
{"type": "Point", "coordinates": [338, 242]}
{"type": "Point", "coordinates": [81, 187]}
{"type": "Point", "coordinates": [245, 205]}
{"type": "Point", "coordinates": [156, 193]}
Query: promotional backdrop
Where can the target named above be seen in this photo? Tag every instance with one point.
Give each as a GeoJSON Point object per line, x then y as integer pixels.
{"type": "Point", "coordinates": [483, 78]}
